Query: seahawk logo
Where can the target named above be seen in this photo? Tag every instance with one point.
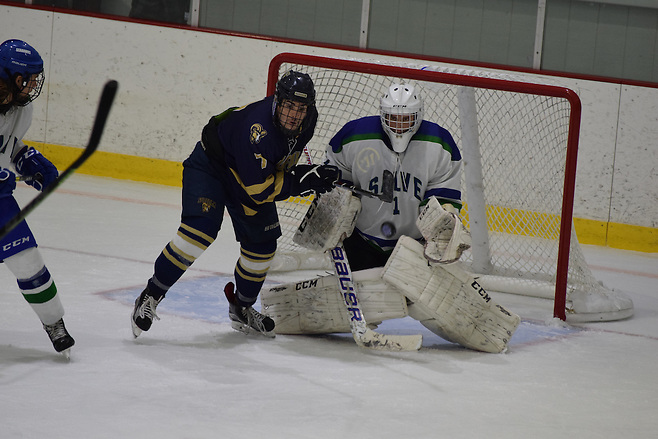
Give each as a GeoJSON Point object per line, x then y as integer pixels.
{"type": "Point", "coordinates": [256, 133]}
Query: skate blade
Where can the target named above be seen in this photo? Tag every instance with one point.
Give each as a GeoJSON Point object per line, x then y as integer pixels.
{"type": "Point", "coordinates": [67, 354]}
{"type": "Point", "coordinates": [245, 329]}
{"type": "Point", "coordinates": [136, 330]}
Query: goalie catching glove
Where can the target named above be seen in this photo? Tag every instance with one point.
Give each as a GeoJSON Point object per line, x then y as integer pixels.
{"type": "Point", "coordinates": [314, 178]}
{"type": "Point", "coordinates": [446, 238]}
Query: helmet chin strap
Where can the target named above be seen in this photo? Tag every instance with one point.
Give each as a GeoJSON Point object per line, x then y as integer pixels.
{"type": "Point", "coordinates": [289, 133]}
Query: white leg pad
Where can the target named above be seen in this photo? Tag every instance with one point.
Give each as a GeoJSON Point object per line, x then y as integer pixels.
{"type": "Point", "coordinates": [448, 300]}
{"type": "Point", "coordinates": [315, 306]}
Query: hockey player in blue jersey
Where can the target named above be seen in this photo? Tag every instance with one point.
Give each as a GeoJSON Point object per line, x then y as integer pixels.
{"type": "Point", "coordinates": [246, 160]}
{"type": "Point", "coordinates": [21, 79]}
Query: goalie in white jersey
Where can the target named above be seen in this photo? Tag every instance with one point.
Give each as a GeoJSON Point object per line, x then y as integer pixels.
{"type": "Point", "coordinates": [423, 157]}
{"type": "Point", "coordinates": [404, 253]}
{"type": "Point", "coordinates": [21, 79]}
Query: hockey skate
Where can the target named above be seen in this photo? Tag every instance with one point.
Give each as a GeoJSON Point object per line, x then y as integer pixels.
{"type": "Point", "coordinates": [245, 318]}
{"type": "Point", "coordinates": [144, 312]}
{"type": "Point", "coordinates": [60, 338]}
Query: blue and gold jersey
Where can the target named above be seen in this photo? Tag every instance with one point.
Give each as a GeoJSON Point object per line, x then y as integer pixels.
{"type": "Point", "coordinates": [258, 155]}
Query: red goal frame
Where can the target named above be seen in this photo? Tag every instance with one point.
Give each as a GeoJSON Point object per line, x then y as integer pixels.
{"type": "Point", "coordinates": [559, 309]}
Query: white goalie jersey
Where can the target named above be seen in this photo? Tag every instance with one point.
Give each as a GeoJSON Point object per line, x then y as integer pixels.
{"type": "Point", "coordinates": [431, 166]}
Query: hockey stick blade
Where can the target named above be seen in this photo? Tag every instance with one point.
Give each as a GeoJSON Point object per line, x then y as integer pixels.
{"type": "Point", "coordinates": [104, 106]}
{"type": "Point", "coordinates": [364, 336]}
{"type": "Point", "coordinates": [388, 185]}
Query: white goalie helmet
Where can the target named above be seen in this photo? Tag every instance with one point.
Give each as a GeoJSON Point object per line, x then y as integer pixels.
{"type": "Point", "coordinates": [401, 111]}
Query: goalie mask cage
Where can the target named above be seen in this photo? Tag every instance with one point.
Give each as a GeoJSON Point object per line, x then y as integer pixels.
{"type": "Point", "coordinates": [519, 143]}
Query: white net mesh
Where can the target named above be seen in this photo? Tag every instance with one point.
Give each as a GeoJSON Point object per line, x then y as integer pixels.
{"type": "Point", "coordinates": [516, 169]}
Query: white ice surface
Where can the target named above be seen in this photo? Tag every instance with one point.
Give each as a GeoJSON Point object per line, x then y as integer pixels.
{"type": "Point", "coordinates": [192, 376]}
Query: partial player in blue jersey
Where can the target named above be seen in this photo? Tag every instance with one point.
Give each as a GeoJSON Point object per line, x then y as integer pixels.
{"type": "Point", "coordinates": [21, 79]}
{"type": "Point", "coordinates": [421, 154]}
{"type": "Point", "coordinates": [246, 160]}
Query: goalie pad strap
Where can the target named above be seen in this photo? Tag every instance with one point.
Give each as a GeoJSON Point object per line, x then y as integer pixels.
{"type": "Point", "coordinates": [315, 306]}
{"type": "Point", "coordinates": [330, 219]}
{"type": "Point", "coordinates": [449, 301]}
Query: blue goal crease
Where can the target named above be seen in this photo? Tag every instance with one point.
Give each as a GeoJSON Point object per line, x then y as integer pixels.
{"type": "Point", "coordinates": [202, 298]}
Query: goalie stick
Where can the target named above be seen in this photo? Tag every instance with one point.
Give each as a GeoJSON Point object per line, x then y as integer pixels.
{"type": "Point", "coordinates": [388, 184]}
{"type": "Point", "coordinates": [107, 97]}
{"type": "Point", "coordinates": [364, 336]}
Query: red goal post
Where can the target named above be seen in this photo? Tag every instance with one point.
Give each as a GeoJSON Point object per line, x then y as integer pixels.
{"type": "Point", "coordinates": [348, 88]}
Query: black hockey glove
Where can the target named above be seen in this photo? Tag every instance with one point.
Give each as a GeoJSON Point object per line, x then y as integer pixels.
{"type": "Point", "coordinates": [317, 178]}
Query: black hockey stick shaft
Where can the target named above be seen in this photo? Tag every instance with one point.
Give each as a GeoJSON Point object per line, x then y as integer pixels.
{"type": "Point", "coordinates": [104, 106]}
{"type": "Point", "coordinates": [388, 185]}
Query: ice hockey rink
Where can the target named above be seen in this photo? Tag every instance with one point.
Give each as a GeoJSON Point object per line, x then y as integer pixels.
{"type": "Point", "coordinates": [192, 376]}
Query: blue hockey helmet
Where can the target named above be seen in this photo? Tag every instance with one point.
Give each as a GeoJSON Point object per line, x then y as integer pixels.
{"type": "Point", "coordinates": [17, 58]}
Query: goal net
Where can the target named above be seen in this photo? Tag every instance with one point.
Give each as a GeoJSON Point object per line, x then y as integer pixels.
{"type": "Point", "coordinates": [519, 144]}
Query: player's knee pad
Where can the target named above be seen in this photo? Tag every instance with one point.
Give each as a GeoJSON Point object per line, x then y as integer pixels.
{"type": "Point", "coordinates": [315, 306]}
